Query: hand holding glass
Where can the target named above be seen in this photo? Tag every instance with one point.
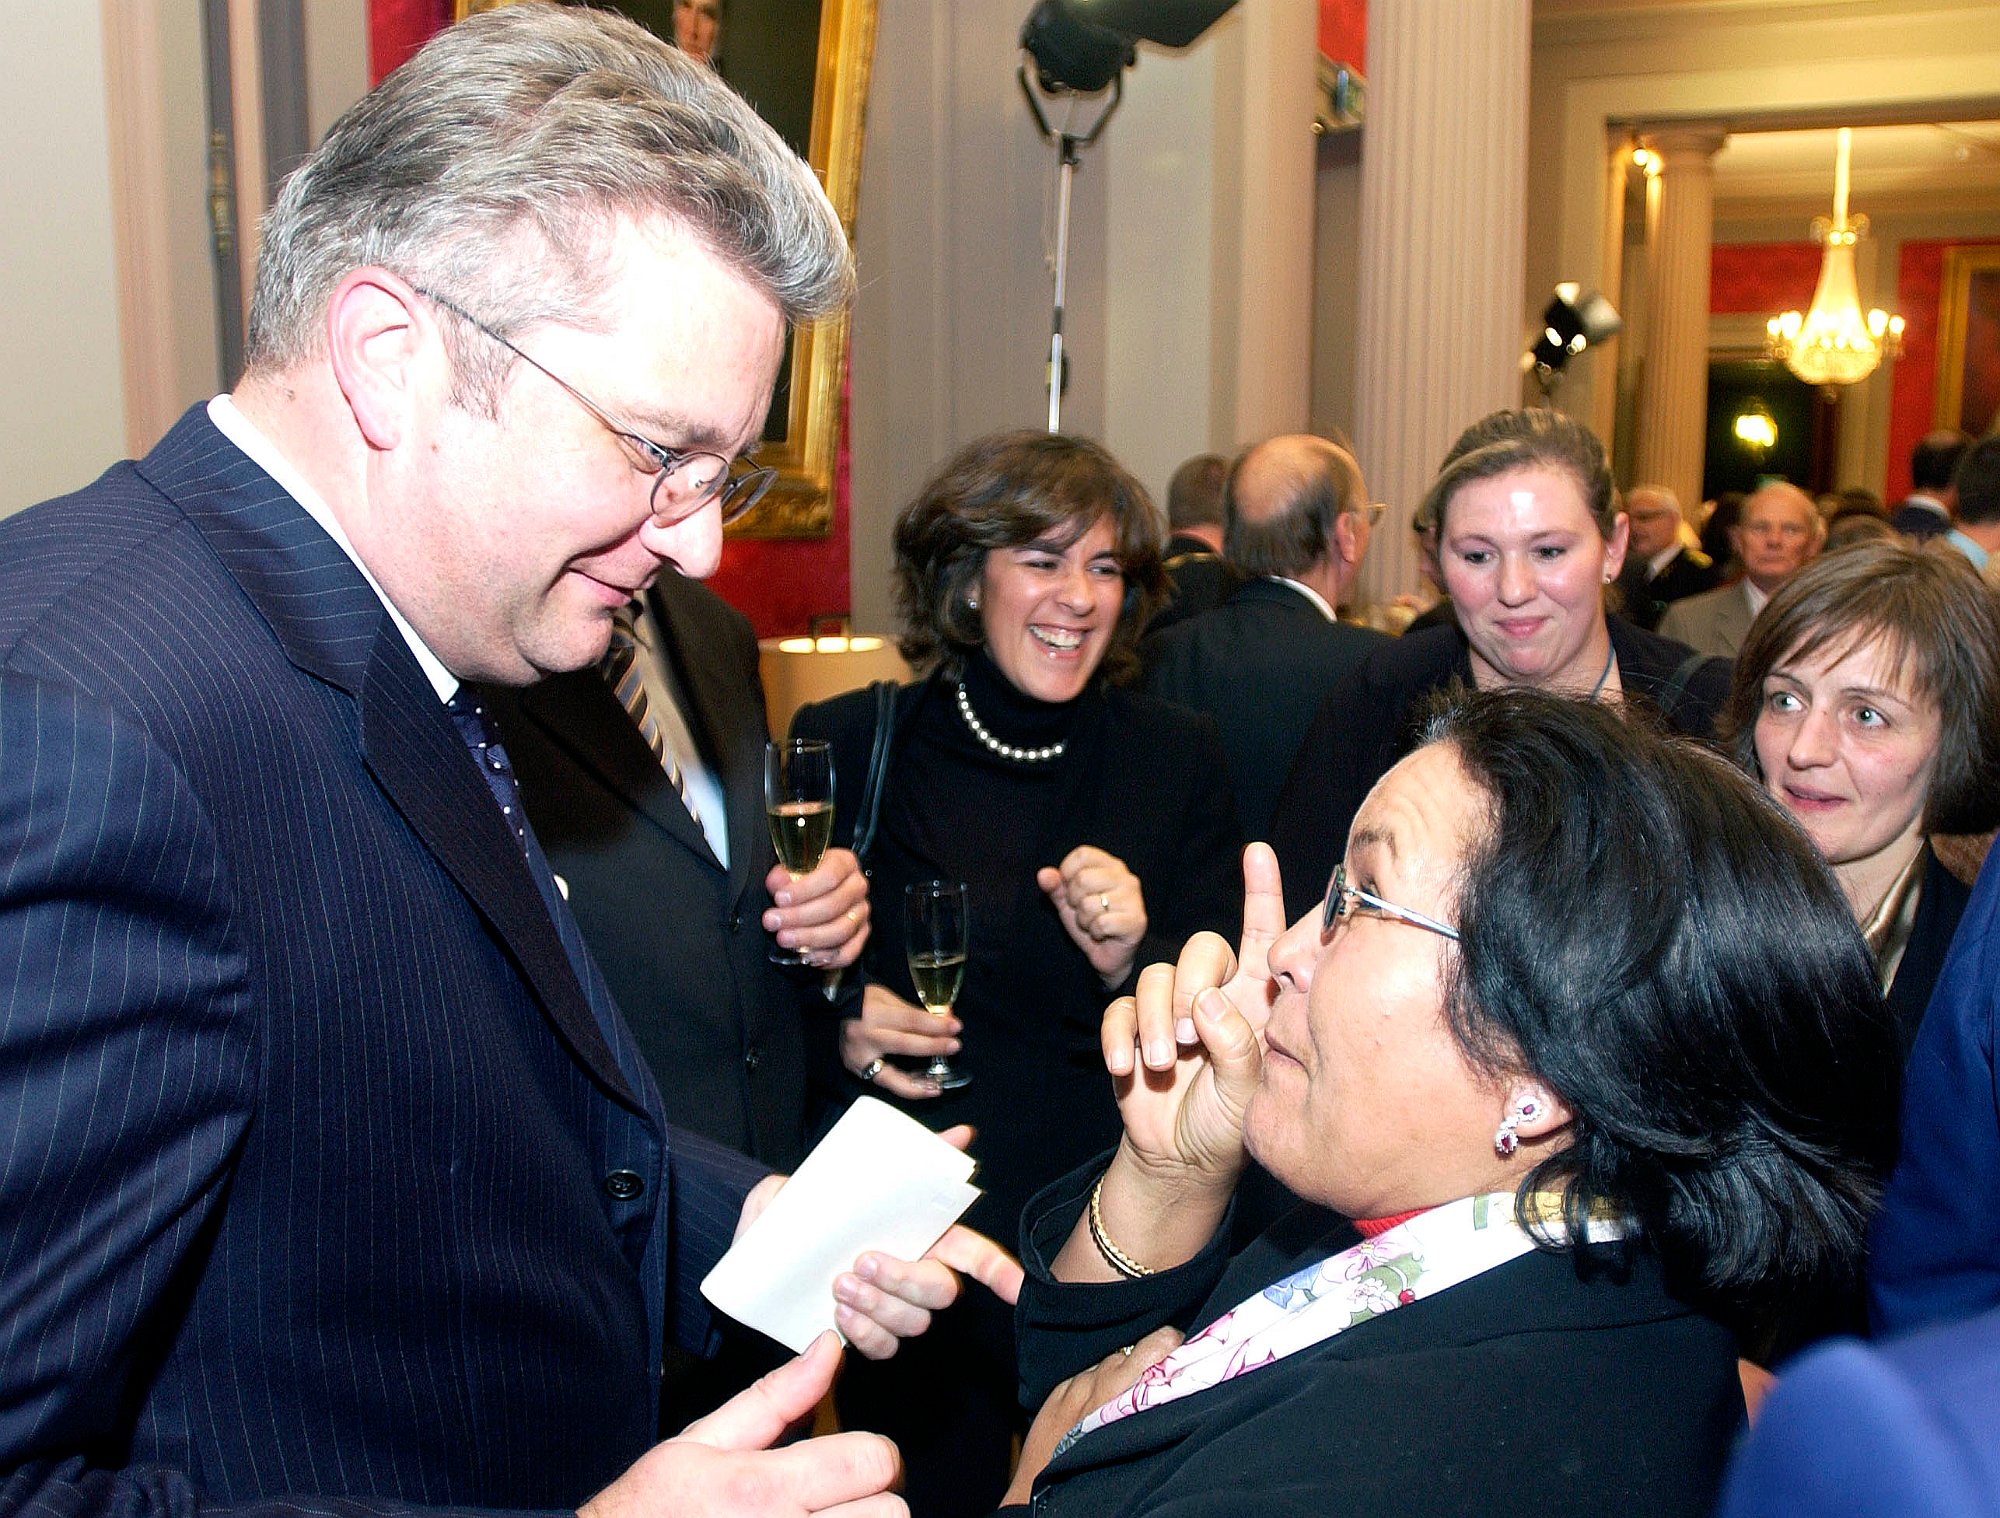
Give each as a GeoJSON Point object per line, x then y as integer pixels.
{"type": "Point", "coordinates": [935, 922]}
{"type": "Point", "coordinates": [798, 801]}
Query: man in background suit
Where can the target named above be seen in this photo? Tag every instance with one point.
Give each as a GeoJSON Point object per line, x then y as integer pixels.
{"type": "Point", "coordinates": [1779, 531]}
{"type": "Point", "coordinates": [675, 896]}
{"type": "Point", "coordinates": [1926, 512]}
{"type": "Point", "coordinates": [1659, 568]}
{"type": "Point", "coordinates": [1200, 577]}
{"type": "Point", "coordinates": [333, 1180]}
{"type": "Point", "coordinates": [1297, 519]}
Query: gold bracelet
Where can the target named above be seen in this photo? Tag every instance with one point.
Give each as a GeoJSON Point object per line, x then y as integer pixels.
{"type": "Point", "coordinates": [1115, 1257]}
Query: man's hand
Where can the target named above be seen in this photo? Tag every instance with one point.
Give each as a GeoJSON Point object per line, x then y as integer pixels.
{"type": "Point", "coordinates": [724, 1464]}
{"type": "Point", "coordinates": [883, 1300]}
{"type": "Point", "coordinates": [824, 913]}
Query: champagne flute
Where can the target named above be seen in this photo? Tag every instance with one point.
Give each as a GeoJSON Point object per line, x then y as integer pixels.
{"type": "Point", "coordinates": [935, 914]}
{"type": "Point", "coordinates": [798, 802]}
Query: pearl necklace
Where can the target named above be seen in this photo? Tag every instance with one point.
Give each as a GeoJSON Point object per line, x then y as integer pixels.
{"type": "Point", "coordinates": [1005, 750]}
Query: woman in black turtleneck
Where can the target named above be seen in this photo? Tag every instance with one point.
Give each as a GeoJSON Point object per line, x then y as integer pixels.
{"type": "Point", "coordinates": [1094, 829]}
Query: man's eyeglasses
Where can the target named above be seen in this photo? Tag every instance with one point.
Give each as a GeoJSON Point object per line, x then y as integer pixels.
{"type": "Point", "coordinates": [1343, 899]}
{"type": "Point", "coordinates": [1372, 512]}
{"type": "Point", "coordinates": [685, 479]}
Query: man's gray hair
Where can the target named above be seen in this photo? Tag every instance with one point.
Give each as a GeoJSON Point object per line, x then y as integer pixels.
{"type": "Point", "coordinates": [494, 166]}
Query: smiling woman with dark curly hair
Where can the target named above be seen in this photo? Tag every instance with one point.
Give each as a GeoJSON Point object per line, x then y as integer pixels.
{"type": "Point", "coordinates": [1092, 825]}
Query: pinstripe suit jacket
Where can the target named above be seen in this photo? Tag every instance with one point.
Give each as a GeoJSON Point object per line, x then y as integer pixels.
{"type": "Point", "coordinates": [305, 1120]}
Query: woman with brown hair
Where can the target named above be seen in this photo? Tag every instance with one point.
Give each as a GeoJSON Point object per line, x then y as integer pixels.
{"type": "Point", "coordinates": [1092, 825]}
{"type": "Point", "coordinates": [1867, 701]}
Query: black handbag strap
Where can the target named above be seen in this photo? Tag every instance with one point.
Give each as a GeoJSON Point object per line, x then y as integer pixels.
{"type": "Point", "coordinates": [878, 768]}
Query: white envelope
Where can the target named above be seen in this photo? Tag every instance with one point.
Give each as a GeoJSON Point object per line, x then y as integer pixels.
{"type": "Point", "coordinates": [880, 1180]}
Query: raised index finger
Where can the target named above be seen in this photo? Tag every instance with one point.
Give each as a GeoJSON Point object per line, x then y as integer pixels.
{"type": "Point", "coordinates": [1263, 910]}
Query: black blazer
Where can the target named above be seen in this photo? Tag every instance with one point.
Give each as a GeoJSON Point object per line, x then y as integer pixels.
{"type": "Point", "coordinates": [1597, 1396]}
{"type": "Point", "coordinates": [681, 940]}
{"type": "Point", "coordinates": [1259, 664]}
{"type": "Point", "coordinates": [1688, 573]}
{"type": "Point", "coordinates": [324, 1189]}
{"type": "Point", "coordinates": [1368, 723]}
{"type": "Point", "coordinates": [1198, 580]}
{"type": "Point", "coordinates": [1939, 907]}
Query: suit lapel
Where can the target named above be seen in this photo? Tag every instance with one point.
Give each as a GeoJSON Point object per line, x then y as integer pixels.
{"type": "Point", "coordinates": [726, 717]}
{"type": "Point", "coordinates": [579, 714]}
{"type": "Point", "coordinates": [331, 624]}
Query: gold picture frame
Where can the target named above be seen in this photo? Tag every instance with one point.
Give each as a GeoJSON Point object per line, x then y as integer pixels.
{"type": "Point", "coordinates": [802, 435]}
{"type": "Point", "coordinates": [1968, 354]}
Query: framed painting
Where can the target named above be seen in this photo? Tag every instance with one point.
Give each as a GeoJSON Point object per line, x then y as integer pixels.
{"type": "Point", "coordinates": [804, 64]}
{"type": "Point", "coordinates": [1968, 350]}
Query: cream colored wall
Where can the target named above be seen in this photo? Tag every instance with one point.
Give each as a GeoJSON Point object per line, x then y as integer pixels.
{"type": "Point", "coordinates": [1716, 59]}
{"type": "Point", "coordinates": [1188, 322]}
{"type": "Point", "coordinates": [60, 389]}
{"type": "Point", "coordinates": [107, 294]}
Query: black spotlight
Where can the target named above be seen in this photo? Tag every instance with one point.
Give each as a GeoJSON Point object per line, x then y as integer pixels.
{"type": "Point", "coordinates": [1571, 322]}
{"type": "Point", "coordinates": [1083, 47]}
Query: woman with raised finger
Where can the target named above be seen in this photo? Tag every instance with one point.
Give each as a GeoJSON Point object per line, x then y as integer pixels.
{"type": "Point", "coordinates": [1592, 1120]}
{"type": "Point", "coordinates": [1092, 825]}
{"type": "Point", "coordinates": [1867, 700]}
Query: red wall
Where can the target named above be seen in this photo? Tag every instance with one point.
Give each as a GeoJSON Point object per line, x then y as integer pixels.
{"type": "Point", "coordinates": [1774, 277]}
{"type": "Point", "coordinates": [1919, 283]}
{"type": "Point", "coordinates": [1343, 32]}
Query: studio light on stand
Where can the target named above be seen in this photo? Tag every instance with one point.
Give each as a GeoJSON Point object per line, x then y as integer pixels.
{"type": "Point", "coordinates": [1571, 322]}
{"type": "Point", "coordinates": [1082, 48]}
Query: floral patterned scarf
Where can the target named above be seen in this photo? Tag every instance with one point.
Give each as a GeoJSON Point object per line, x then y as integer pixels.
{"type": "Point", "coordinates": [1419, 1257]}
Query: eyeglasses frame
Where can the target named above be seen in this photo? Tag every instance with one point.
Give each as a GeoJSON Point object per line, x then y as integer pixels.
{"type": "Point", "coordinates": [1339, 892]}
{"type": "Point", "coordinates": [737, 492]}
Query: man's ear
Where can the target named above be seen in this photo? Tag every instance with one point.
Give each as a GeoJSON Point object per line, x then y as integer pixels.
{"type": "Point", "coordinates": [382, 341]}
{"type": "Point", "coordinates": [1348, 541]}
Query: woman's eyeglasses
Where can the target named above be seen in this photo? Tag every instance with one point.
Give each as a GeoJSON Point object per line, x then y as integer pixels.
{"type": "Point", "coordinates": [1343, 900]}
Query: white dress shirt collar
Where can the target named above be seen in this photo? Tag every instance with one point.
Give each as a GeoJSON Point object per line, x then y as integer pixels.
{"type": "Point", "coordinates": [262, 452]}
{"type": "Point", "coordinates": [1311, 595]}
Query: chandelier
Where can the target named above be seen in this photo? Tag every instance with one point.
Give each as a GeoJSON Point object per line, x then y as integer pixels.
{"type": "Point", "coordinates": [1833, 343]}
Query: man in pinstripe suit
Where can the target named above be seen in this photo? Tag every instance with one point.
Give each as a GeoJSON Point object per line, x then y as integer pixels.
{"type": "Point", "coordinates": [330, 1178]}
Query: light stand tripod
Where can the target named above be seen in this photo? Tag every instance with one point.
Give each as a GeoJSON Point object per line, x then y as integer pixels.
{"type": "Point", "coordinates": [1069, 153]}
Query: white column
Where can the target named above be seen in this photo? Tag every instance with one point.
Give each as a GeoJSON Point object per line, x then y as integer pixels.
{"type": "Point", "coordinates": [1671, 432]}
{"type": "Point", "coordinates": [1443, 234]}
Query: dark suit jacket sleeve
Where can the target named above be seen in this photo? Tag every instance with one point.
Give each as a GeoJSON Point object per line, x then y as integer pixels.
{"type": "Point", "coordinates": [1205, 887]}
{"type": "Point", "coordinates": [126, 1037]}
{"type": "Point", "coordinates": [1065, 1327]}
{"type": "Point", "coordinates": [1352, 740]}
{"type": "Point", "coordinates": [1935, 1252]}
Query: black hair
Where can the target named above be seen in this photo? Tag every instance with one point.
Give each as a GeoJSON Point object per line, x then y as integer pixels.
{"type": "Point", "coordinates": [1934, 461]}
{"type": "Point", "coordinates": [1712, 1023]}
{"type": "Point", "coordinates": [1978, 482]}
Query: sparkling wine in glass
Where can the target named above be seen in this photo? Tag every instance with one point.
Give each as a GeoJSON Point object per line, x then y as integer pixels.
{"type": "Point", "coordinates": [798, 801]}
{"type": "Point", "coordinates": [936, 923]}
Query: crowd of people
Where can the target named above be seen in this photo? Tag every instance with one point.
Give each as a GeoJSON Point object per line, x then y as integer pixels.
{"type": "Point", "coordinates": [1431, 1071]}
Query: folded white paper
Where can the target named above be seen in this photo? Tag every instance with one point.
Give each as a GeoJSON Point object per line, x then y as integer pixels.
{"type": "Point", "coordinates": [881, 1181]}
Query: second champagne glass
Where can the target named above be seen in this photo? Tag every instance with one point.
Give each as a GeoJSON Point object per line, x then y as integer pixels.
{"type": "Point", "coordinates": [935, 917]}
{"type": "Point", "coordinates": [798, 801]}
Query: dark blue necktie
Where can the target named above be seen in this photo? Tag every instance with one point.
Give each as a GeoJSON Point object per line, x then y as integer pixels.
{"type": "Point", "coordinates": [468, 715]}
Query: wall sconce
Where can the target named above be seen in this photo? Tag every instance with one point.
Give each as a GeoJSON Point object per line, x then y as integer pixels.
{"type": "Point", "coordinates": [799, 671]}
{"type": "Point", "coordinates": [1755, 427]}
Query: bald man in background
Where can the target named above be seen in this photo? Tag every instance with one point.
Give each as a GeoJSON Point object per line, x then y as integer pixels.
{"type": "Point", "coordinates": [1296, 518]}
{"type": "Point", "coordinates": [1780, 530]}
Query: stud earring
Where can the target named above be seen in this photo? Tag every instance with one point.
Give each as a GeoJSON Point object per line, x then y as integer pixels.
{"type": "Point", "coordinates": [1505, 1140]}
{"type": "Point", "coordinates": [972, 603]}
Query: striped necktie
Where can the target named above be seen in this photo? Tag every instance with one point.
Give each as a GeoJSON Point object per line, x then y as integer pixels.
{"type": "Point", "coordinates": [625, 674]}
